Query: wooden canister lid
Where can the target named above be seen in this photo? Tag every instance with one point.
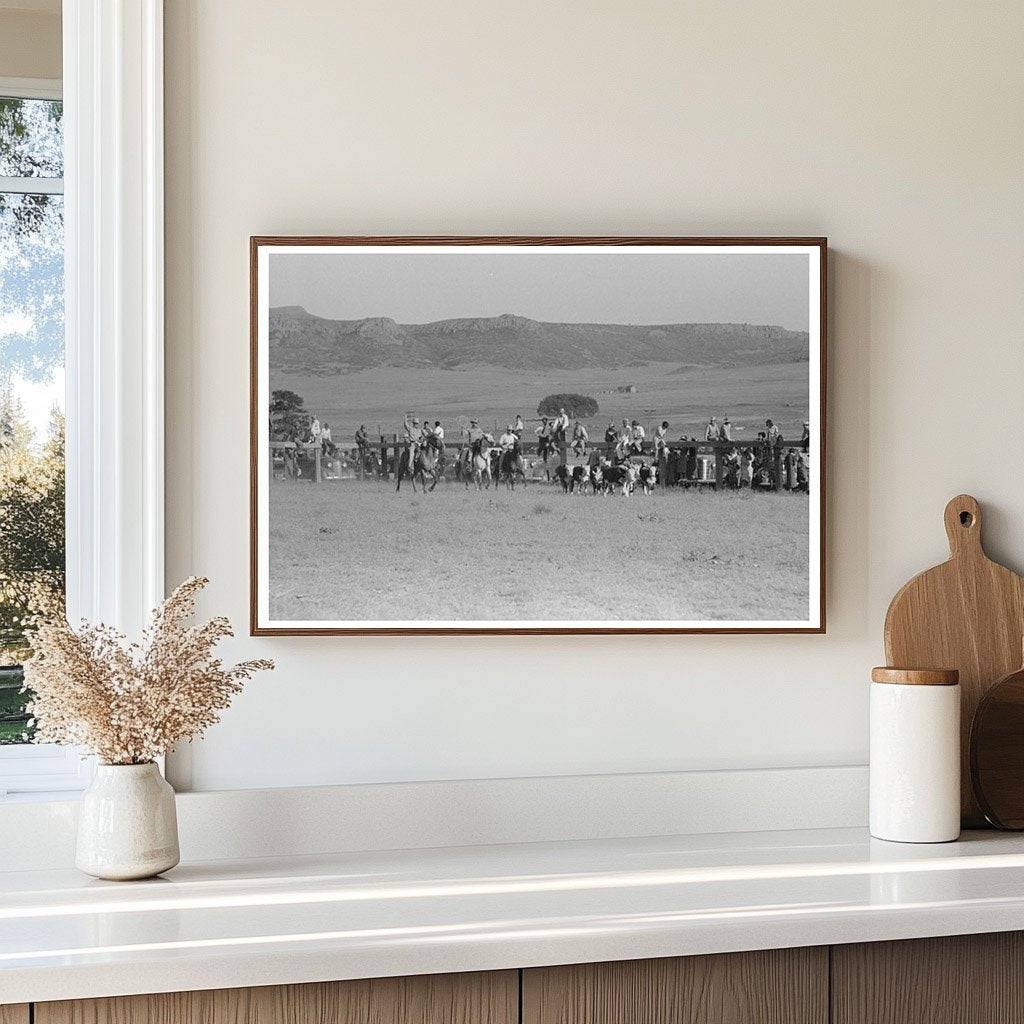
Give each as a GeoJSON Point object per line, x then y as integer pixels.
{"type": "Point", "coordinates": [916, 676]}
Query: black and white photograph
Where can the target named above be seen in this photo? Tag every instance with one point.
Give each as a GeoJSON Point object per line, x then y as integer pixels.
{"type": "Point", "coordinates": [551, 435]}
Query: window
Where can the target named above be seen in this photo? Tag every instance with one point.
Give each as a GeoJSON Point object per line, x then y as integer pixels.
{"type": "Point", "coordinates": [91, 173]}
{"type": "Point", "coordinates": [32, 549]}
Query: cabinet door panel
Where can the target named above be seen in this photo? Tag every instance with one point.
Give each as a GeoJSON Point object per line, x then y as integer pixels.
{"type": "Point", "coordinates": [961, 979]}
{"type": "Point", "coordinates": [778, 986]}
{"type": "Point", "coordinates": [14, 1013]}
{"type": "Point", "coordinates": [482, 998]}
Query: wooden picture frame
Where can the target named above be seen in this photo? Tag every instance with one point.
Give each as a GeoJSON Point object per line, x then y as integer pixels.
{"type": "Point", "coordinates": [262, 457]}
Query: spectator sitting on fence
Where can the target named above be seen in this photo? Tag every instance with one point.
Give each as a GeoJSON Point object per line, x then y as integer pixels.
{"type": "Point", "coordinates": [637, 436]}
{"type": "Point", "coordinates": [362, 441]}
{"type": "Point", "coordinates": [611, 435]}
{"type": "Point", "coordinates": [560, 427]}
{"type": "Point", "coordinates": [711, 431]}
{"type": "Point", "coordinates": [725, 431]}
{"type": "Point", "coordinates": [326, 442]}
{"type": "Point", "coordinates": [314, 431]}
{"type": "Point", "coordinates": [580, 439]}
{"type": "Point", "coordinates": [805, 438]}
{"type": "Point", "coordinates": [519, 427]}
{"type": "Point", "coordinates": [772, 433]}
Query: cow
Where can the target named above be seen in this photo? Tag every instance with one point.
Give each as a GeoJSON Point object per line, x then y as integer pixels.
{"type": "Point", "coordinates": [622, 477]}
{"type": "Point", "coordinates": [648, 476]}
{"type": "Point", "coordinates": [579, 479]}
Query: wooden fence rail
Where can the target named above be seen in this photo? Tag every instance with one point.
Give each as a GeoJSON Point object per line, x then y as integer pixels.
{"type": "Point", "coordinates": [706, 454]}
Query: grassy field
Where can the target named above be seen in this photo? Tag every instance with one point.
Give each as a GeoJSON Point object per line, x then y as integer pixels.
{"type": "Point", "coordinates": [355, 550]}
{"type": "Point", "coordinates": [684, 395]}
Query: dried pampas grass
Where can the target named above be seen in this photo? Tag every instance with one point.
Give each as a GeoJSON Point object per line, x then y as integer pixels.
{"type": "Point", "coordinates": [129, 703]}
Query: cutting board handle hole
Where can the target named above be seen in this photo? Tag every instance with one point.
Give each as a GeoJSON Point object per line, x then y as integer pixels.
{"type": "Point", "coordinates": [966, 519]}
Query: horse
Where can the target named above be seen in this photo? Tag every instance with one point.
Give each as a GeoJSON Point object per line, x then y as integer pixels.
{"type": "Point", "coordinates": [510, 465]}
{"type": "Point", "coordinates": [428, 463]}
{"type": "Point", "coordinates": [475, 467]}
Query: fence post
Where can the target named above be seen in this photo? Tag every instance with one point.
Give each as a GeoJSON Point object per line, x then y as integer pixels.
{"type": "Point", "coordinates": [778, 467]}
{"type": "Point", "coordinates": [719, 467]}
{"type": "Point", "coordinates": [317, 468]}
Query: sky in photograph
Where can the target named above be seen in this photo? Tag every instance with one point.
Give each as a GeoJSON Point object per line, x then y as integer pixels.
{"type": "Point", "coordinates": [626, 288]}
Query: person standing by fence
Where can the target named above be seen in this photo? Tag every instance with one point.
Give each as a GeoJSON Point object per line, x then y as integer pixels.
{"type": "Point", "coordinates": [543, 433]}
{"type": "Point", "coordinates": [412, 434]}
{"type": "Point", "coordinates": [560, 430]}
{"type": "Point", "coordinates": [580, 439]}
{"type": "Point", "coordinates": [660, 440]}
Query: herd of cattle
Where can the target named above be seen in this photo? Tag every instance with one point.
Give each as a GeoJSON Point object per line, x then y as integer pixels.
{"type": "Point", "coordinates": [605, 477]}
{"type": "Point", "coordinates": [600, 475]}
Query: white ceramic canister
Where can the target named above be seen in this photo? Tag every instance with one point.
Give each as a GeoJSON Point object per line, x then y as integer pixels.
{"type": "Point", "coordinates": [127, 825]}
{"type": "Point", "coordinates": [915, 755]}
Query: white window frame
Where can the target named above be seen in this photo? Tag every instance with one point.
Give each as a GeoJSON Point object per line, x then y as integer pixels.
{"type": "Point", "coordinates": [114, 325]}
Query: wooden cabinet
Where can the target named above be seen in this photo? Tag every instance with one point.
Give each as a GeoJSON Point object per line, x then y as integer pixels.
{"type": "Point", "coordinates": [963, 979]}
{"type": "Point", "coordinates": [490, 998]}
{"type": "Point", "coordinates": [970, 979]}
{"type": "Point", "coordinates": [777, 986]}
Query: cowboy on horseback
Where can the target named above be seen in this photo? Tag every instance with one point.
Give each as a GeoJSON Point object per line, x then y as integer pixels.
{"type": "Point", "coordinates": [475, 437]}
{"type": "Point", "coordinates": [509, 462]}
{"type": "Point", "coordinates": [509, 441]}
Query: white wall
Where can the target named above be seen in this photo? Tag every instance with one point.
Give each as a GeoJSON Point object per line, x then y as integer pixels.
{"type": "Point", "coordinates": [895, 129]}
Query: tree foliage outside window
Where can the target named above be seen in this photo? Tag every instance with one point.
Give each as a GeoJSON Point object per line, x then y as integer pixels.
{"type": "Point", "coordinates": [32, 553]}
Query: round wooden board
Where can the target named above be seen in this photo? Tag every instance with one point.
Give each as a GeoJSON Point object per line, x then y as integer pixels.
{"type": "Point", "coordinates": [997, 753]}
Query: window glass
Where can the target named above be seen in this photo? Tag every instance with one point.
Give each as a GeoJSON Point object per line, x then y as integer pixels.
{"type": "Point", "coordinates": [31, 387]}
{"type": "Point", "coordinates": [31, 138]}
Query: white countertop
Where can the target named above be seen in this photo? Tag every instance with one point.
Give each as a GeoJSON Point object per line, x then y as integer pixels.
{"type": "Point", "coordinates": [261, 922]}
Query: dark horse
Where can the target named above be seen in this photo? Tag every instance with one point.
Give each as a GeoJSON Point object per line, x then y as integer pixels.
{"type": "Point", "coordinates": [511, 465]}
{"type": "Point", "coordinates": [428, 463]}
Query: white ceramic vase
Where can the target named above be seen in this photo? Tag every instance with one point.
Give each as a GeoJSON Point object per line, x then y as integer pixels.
{"type": "Point", "coordinates": [127, 825]}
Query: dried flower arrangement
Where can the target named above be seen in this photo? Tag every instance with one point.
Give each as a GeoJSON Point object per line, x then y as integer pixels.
{"type": "Point", "coordinates": [129, 703]}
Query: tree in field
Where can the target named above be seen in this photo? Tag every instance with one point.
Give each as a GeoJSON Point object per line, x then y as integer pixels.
{"type": "Point", "coordinates": [288, 417]}
{"type": "Point", "coordinates": [582, 406]}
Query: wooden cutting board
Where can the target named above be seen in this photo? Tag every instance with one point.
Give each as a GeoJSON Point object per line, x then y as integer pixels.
{"type": "Point", "coordinates": [967, 614]}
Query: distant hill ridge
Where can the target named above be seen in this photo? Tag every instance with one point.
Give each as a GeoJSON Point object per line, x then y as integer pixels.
{"type": "Point", "coordinates": [301, 341]}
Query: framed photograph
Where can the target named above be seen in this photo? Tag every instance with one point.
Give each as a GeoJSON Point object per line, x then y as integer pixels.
{"type": "Point", "coordinates": [537, 435]}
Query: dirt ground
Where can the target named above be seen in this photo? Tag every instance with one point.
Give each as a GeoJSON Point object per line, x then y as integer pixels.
{"type": "Point", "coordinates": [352, 550]}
